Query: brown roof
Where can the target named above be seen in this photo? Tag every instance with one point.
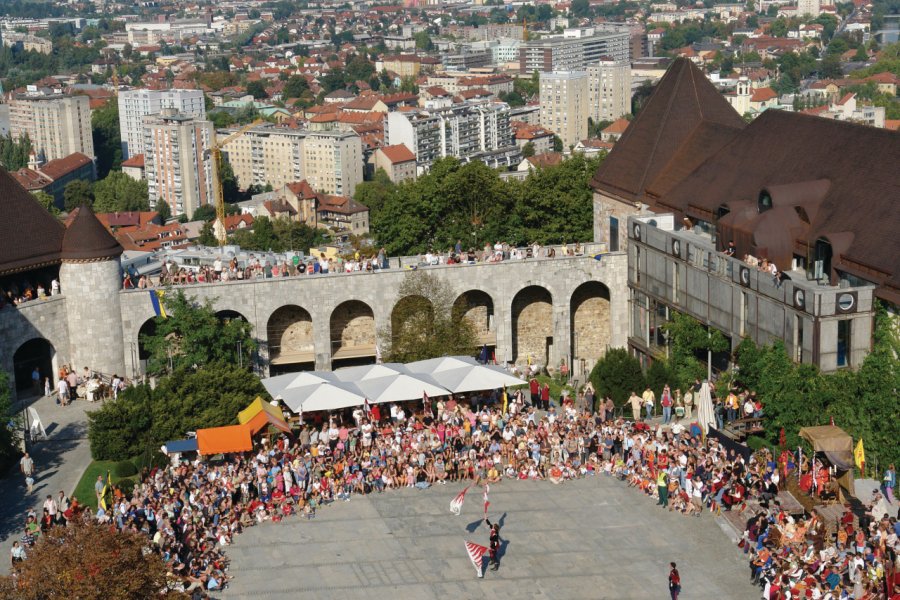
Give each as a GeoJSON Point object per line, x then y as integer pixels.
{"type": "Point", "coordinates": [858, 212]}
{"type": "Point", "coordinates": [617, 126]}
{"type": "Point", "coordinates": [301, 189]}
{"type": "Point", "coordinates": [339, 204]}
{"type": "Point", "coordinates": [65, 165]}
{"type": "Point", "coordinates": [546, 159]}
{"type": "Point", "coordinates": [136, 161]}
{"type": "Point", "coordinates": [30, 179]}
{"type": "Point", "coordinates": [682, 101]}
{"type": "Point", "coordinates": [29, 236]}
{"type": "Point", "coordinates": [398, 153]}
{"type": "Point", "coordinates": [87, 239]}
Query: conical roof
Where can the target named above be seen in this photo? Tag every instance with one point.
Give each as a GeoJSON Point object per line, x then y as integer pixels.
{"type": "Point", "coordinates": [87, 239]}
{"type": "Point", "coordinates": [30, 237]}
{"type": "Point", "coordinates": [683, 100]}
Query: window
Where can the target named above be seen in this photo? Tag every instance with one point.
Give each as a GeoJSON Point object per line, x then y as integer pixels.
{"type": "Point", "coordinates": [613, 234]}
{"type": "Point", "coordinates": [765, 201]}
{"type": "Point", "coordinates": [843, 343]}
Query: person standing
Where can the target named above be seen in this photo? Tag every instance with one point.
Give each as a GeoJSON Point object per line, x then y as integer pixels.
{"type": "Point", "coordinates": [889, 482]}
{"type": "Point", "coordinates": [635, 401]}
{"type": "Point", "coordinates": [62, 392]}
{"type": "Point", "coordinates": [72, 381]}
{"type": "Point", "coordinates": [662, 487]}
{"type": "Point", "coordinates": [688, 402]}
{"type": "Point", "coordinates": [36, 381]}
{"type": "Point", "coordinates": [649, 402]}
{"type": "Point", "coordinates": [26, 465]}
{"type": "Point", "coordinates": [534, 388]}
{"type": "Point", "coordinates": [545, 396]}
{"type": "Point", "coordinates": [674, 582]}
{"type": "Point", "coordinates": [494, 544]}
{"type": "Point", "coordinates": [666, 401]}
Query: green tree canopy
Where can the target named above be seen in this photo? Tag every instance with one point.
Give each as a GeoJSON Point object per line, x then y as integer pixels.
{"type": "Point", "coordinates": [10, 425]}
{"type": "Point", "coordinates": [119, 192]}
{"type": "Point", "coordinates": [107, 137]}
{"type": "Point", "coordinates": [15, 153]}
{"type": "Point", "coordinates": [193, 335]}
{"type": "Point", "coordinates": [617, 375]}
{"type": "Point", "coordinates": [76, 193]}
{"type": "Point", "coordinates": [47, 201]}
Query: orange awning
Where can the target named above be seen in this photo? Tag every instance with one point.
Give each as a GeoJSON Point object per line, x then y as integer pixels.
{"type": "Point", "coordinates": [264, 418]}
{"type": "Point", "coordinates": [220, 440]}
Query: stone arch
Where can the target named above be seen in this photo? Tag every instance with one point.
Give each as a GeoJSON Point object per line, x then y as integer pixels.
{"type": "Point", "coordinates": [532, 325]}
{"type": "Point", "coordinates": [36, 352]}
{"type": "Point", "coordinates": [352, 331]}
{"type": "Point", "coordinates": [228, 314]}
{"type": "Point", "coordinates": [478, 307]}
{"type": "Point", "coordinates": [411, 312]}
{"type": "Point", "coordinates": [147, 328]}
{"type": "Point", "coordinates": [289, 334]}
{"type": "Point", "coordinates": [589, 326]}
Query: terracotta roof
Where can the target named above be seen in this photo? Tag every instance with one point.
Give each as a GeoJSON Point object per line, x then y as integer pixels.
{"type": "Point", "coordinates": [30, 179]}
{"type": "Point", "coordinates": [547, 159]}
{"type": "Point", "coordinates": [364, 103]}
{"type": "Point", "coordinates": [29, 236]}
{"type": "Point", "coordinates": [301, 189]}
{"type": "Point", "coordinates": [763, 94]}
{"type": "Point", "coordinates": [682, 101]}
{"type": "Point", "coordinates": [858, 212]}
{"type": "Point", "coordinates": [136, 161]}
{"type": "Point", "coordinates": [618, 126]}
{"type": "Point", "coordinates": [398, 153]}
{"type": "Point", "coordinates": [339, 204]}
{"type": "Point", "coordinates": [87, 239]}
{"type": "Point", "coordinates": [892, 124]}
{"type": "Point", "coordinates": [65, 165]}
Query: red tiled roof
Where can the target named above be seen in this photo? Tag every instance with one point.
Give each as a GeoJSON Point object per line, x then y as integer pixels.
{"type": "Point", "coordinates": [136, 161]}
{"type": "Point", "coordinates": [65, 165]}
{"type": "Point", "coordinates": [340, 204]}
{"type": "Point", "coordinates": [617, 126]}
{"type": "Point", "coordinates": [398, 153]}
{"type": "Point", "coordinates": [763, 94]}
{"type": "Point", "coordinates": [301, 189]}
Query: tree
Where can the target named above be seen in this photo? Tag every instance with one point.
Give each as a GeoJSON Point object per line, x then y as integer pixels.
{"type": "Point", "coordinates": [121, 428]}
{"type": "Point", "coordinates": [580, 9]}
{"type": "Point", "coordinates": [193, 335]}
{"type": "Point", "coordinates": [207, 235]}
{"type": "Point", "coordinates": [119, 192]}
{"type": "Point", "coordinates": [295, 87]}
{"type": "Point", "coordinates": [15, 153]}
{"type": "Point", "coordinates": [831, 66]}
{"type": "Point", "coordinates": [204, 212]}
{"type": "Point", "coordinates": [423, 41]}
{"type": "Point", "coordinates": [424, 322]}
{"type": "Point", "coordinates": [688, 338]}
{"type": "Point", "coordinates": [528, 150]}
{"type": "Point", "coordinates": [557, 143]}
{"type": "Point", "coordinates": [861, 54]}
{"type": "Point", "coordinates": [89, 561]}
{"type": "Point", "coordinates": [76, 193]}
{"type": "Point", "coordinates": [165, 212]}
{"type": "Point", "coordinates": [617, 375]}
{"type": "Point", "coordinates": [107, 137]}
{"type": "Point", "coordinates": [230, 191]}
{"type": "Point", "coordinates": [257, 90]}
{"type": "Point", "coordinates": [10, 425]}
{"type": "Point", "coordinates": [47, 201]}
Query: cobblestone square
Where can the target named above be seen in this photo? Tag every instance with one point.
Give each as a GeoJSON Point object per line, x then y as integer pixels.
{"type": "Point", "coordinates": [593, 538]}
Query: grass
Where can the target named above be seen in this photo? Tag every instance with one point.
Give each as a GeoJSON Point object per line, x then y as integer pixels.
{"type": "Point", "coordinates": [84, 491]}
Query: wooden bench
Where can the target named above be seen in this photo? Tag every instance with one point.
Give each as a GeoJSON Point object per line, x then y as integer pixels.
{"type": "Point", "coordinates": [740, 429]}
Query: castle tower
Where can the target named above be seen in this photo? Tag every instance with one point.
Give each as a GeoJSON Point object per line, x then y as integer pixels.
{"type": "Point", "coordinates": [91, 279]}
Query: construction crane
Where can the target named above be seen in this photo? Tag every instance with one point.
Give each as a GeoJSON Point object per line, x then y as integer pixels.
{"type": "Point", "coordinates": [216, 154]}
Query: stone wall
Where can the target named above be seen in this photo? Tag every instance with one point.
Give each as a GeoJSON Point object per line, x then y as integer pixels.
{"type": "Point", "coordinates": [353, 325]}
{"type": "Point", "coordinates": [290, 331]}
{"type": "Point", "coordinates": [40, 319]}
{"type": "Point", "coordinates": [532, 324]}
{"type": "Point", "coordinates": [92, 297]}
{"type": "Point", "coordinates": [590, 324]}
{"type": "Point", "coordinates": [478, 308]}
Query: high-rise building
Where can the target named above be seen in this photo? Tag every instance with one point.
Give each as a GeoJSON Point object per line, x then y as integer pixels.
{"type": "Point", "coordinates": [333, 161]}
{"type": "Point", "coordinates": [809, 8]}
{"type": "Point", "coordinates": [609, 89]}
{"type": "Point", "coordinates": [468, 131]}
{"type": "Point", "coordinates": [265, 155]}
{"type": "Point", "coordinates": [177, 162]}
{"type": "Point", "coordinates": [574, 50]}
{"type": "Point", "coordinates": [58, 124]}
{"type": "Point", "coordinates": [134, 105]}
{"type": "Point", "coordinates": [564, 105]}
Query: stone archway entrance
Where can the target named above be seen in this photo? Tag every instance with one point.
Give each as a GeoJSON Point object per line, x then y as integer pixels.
{"type": "Point", "coordinates": [39, 353]}
{"type": "Point", "coordinates": [289, 334]}
{"type": "Point", "coordinates": [352, 327]}
{"type": "Point", "coordinates": [589, 326]}
{"type": "Point", "coordinates": [532, 325]}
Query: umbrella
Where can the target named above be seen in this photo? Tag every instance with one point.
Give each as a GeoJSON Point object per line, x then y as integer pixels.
{"type": "Point", "coordinates": [276, 385]}
{"type": "Point", "coordinates": [463, 374]}
{"type": "Point", "coordinates": [706, 416]}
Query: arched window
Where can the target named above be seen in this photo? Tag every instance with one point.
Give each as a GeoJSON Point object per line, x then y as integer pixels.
{"type": "Point", "coordinates": [765, 201]}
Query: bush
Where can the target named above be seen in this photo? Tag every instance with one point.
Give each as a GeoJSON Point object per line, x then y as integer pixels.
{"type": "Point", "coordinates": [124, 468]}
{"type": "Point", "coordinates": [658, 376]}
{"type": "Point", "coordinates": [616, 375]}
{"type": "Point", "coordinates": [756, 443]}
{"type": "Point", "coordinates": [120, 428]}
{"type": "Point", "coordinates": [148, 460]}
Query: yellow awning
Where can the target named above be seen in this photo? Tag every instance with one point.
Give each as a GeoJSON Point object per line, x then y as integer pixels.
{"type": "Point", "coordinates": [257, 406]}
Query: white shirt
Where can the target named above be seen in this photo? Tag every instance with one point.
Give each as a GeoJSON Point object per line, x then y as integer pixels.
{"type": "Point", "coordinates": [62, 387]}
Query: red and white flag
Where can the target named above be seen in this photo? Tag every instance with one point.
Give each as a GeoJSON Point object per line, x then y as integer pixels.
{"type": "Point", "coordinates": [476, 555]}
{"type": "Point", "coordinates": [366, 406]}
{"type": "Point", "coordinates": [487, 489]}
{"type": "Point", "coordinates": [426, 403]}
{"type": "Point", "coordinates": [456, 503]}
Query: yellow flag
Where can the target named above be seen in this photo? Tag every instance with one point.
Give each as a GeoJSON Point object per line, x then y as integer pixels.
{"type": "Point", "coordinates": [859, 456]}
{"type": "Point", "coordinates": [505, 400]}
{"type": "Point", "coordinates": [106, 489]}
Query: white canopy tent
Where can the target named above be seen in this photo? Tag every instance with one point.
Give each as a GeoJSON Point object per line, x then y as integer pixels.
{"type": "Point", "coordinates": [391, 382]}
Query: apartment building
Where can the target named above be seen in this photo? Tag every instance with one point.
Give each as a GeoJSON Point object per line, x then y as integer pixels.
{"type": "Point", "coordinates": [564, 105]}
{"type": "Point", "coordinates": [609, 89]}
{"type": "Point", "coordinates": [468, 131]}
{"type": "Point", "coordinates": [333, 161]}
{"type": "Point", "coordinates": [176, 161]}
{"type": "Point", "coordinates": [134, 105]}
{"type": "Point", "coordinates": [265, 154]}
{"type": "Point", "coordinates": [57, 124]}
{"type": "Point", "coordinates": [574, 50]}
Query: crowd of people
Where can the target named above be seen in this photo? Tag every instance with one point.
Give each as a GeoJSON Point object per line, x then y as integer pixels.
{"type": "Point", "coordinates": [275, 266]}
{"type": "Point", "coordinates": [193, 509]}
{"type": "Point", "coordinates": [14, 293]}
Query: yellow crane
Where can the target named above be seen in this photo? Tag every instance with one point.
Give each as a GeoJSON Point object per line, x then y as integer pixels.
{"type": "Point", "coordinates": [216, 154]}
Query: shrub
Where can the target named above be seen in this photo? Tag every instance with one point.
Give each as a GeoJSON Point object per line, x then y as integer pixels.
{"type": "Point", "coordinates": [124, 468]}
{"type": "Point", "coordinates": [616, 375]}
{"type": "Point", "coordinates": [121, 427]}
{"type": "Point", "coordinates": [126, 486]}
{"type": "Point", "coordinates": [148, 460]}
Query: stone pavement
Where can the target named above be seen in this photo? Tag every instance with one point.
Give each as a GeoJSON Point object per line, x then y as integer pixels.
{"type": "Point", "coordinates": [594, 538]}
{"type": "Point", "coordinates": [59, 461]}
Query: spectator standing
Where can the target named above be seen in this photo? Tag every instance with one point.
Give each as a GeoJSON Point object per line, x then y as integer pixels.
{"type": "Point", "coordinates": [674, 582]}
{"type": "Point", "coordinates": [26, 465]}
{"type": "Point", "coordinates": [62, 392]}
{"type": "Point", "coordinates": [649, 402]}
{"type": "Point", "coordinates": [666, 402]}
{"type": "Point", "coordinates": [635, 401]}
{"type": "Point", "coordinates": [36, 381]}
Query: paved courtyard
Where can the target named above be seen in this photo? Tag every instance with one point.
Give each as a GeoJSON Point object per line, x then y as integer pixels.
{"type": "Point", "coordinates": [594, 538]}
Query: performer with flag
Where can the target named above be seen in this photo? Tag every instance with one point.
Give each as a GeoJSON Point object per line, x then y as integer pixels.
{"type": "Point", "coordinates": [494, 542]}
{"type": "Point", "coordinates": [487, 503]}
{"type": "Point", "coordinates": [457, 502]}
{"type": "Point", "coordinates": [859, 457]}
{"type": "Point", "coordinates": [476, 555]}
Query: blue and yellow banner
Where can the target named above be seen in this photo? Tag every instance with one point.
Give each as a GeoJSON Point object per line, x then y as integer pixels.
{"type": "Point", "coordinates": [156, 299]}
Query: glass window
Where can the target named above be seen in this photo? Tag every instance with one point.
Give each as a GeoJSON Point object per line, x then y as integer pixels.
{"type": "Point", "coordinates": [613, 234]}
{"type": "Point", "coordinates": [843, 343]}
